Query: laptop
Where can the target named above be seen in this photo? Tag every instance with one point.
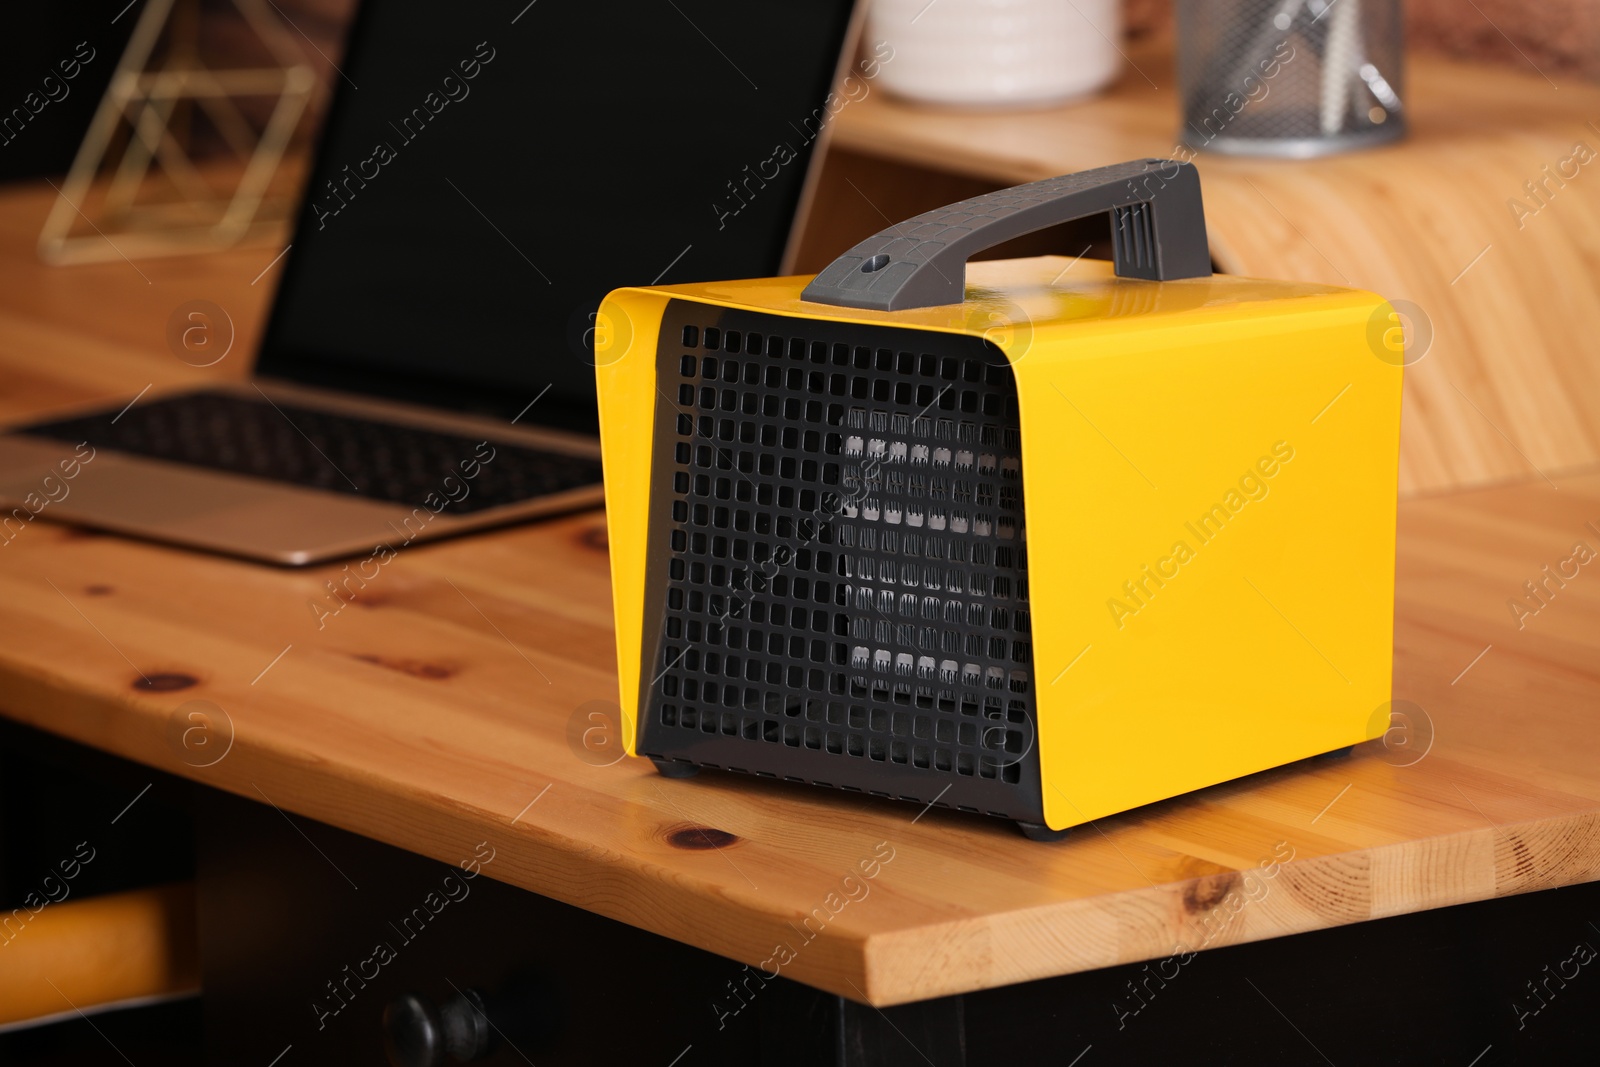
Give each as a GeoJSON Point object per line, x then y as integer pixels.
{"type": "Point", "coordinates": [486, 173]}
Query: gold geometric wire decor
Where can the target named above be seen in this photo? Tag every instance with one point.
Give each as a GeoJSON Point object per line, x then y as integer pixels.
{"type": "Point", "coordinates": [111, 204]}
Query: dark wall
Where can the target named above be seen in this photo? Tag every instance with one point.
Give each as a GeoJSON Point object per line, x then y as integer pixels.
{"type": "Point", "coordinates": [44, 130]}
{"type": "Point", "coordinates": [43, 113]}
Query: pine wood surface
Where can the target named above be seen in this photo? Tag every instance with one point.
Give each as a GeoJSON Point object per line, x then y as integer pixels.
{"type": "Point", "coordinates": [438, 709]}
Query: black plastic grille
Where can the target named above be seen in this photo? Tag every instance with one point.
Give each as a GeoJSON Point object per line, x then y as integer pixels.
{"type": "Point", "coordinates": [839, 560]}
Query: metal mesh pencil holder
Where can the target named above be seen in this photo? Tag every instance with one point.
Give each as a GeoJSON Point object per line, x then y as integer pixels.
{"type": "Point", "coordinates": [1290, 78]}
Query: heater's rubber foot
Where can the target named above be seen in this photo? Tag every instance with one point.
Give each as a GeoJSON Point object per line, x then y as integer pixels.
{"type": "Point", "coordinates": [1034, 831]}
{"type": "Point", "coordinates": [1338, 753]}
{"type": "Point", "coordinates": [674, 768]}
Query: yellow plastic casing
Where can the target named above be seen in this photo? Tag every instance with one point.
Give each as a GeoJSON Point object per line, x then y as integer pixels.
{"type": "Point", "coordinates": [1209, 474]}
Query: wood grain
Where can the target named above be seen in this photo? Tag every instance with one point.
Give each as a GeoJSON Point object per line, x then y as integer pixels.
{"type": "Point", "coordinates": [437, 709]}
{"type": "Point", "coordinates": [1511, 385]}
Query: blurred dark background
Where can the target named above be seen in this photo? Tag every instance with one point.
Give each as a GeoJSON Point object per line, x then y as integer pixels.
{"type": "Point", "coordinates": [1561, 36]}
{"type": "Point", "coordinates": [38, 37]}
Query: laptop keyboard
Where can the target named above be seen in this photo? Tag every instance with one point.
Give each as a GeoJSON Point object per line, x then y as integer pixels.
{"type": "Point", "coordinates": [282, 442]}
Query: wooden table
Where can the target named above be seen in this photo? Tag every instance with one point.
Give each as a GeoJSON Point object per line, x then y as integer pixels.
{"type": "Point", "coordinates": [438, 709]}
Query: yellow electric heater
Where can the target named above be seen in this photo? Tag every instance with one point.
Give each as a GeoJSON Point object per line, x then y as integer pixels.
{"type": "Point", "coordinates": [1033, 538]}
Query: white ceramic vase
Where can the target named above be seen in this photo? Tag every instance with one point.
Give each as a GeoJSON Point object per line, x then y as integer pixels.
{"type": "Point", "coordinates": [998, 53]}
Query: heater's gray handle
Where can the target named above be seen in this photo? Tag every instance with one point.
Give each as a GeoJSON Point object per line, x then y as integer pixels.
{"type": "Point", "coordinates": [1158, 232]}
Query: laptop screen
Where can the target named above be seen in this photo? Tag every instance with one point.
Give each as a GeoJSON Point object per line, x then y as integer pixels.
{"type": "Point", "coordinates": [488, 172]}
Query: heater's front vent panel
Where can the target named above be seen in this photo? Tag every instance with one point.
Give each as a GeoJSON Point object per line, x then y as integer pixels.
{"type": "Point", "coordinates": [838, 579]}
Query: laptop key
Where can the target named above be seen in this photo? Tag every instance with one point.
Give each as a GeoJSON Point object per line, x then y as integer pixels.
{"type": "Point", "coordinates": [322, 450]}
